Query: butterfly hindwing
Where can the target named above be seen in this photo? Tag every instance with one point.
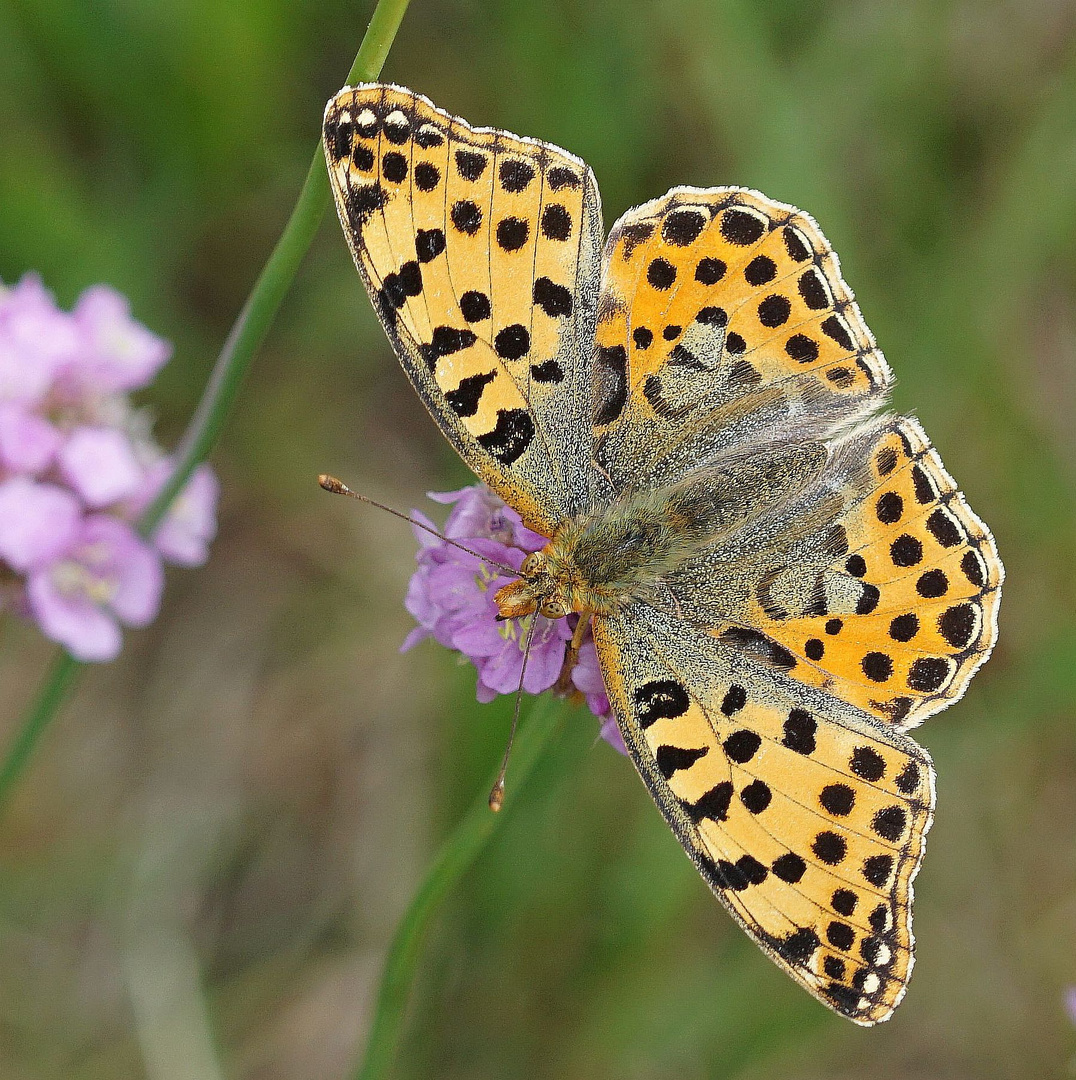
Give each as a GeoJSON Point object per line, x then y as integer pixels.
{"type": "Point", "coordinates": [806, 820]}
{"type": "Point", "coordinates": [907, 612]}
{"type": "Point", "coordinates": [723, 321]}
{"type": "Point", "coordinates": [877, 584]}
{"type": "Point", "coordinates": [480, 251]}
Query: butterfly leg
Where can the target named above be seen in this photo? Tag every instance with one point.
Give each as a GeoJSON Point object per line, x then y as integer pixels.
{"type": "Point", "coordinates": [564, 685]}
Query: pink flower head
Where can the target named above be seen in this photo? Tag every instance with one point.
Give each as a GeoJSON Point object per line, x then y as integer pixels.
{"type": "Point", "coordinates": [107, 576]}
{"type": "Point", "coordinates": [451, 595]}
{"type": "Point", "coordinates": [78, 465]}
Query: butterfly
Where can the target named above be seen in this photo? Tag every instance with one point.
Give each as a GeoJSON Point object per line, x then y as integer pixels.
{"type": "Point", "coordinates": [780, 576]}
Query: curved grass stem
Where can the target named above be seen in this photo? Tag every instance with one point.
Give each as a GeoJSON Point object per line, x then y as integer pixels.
{"type": "Point", "coordinates": [247, 334]}
{"type": "Point", "coordinates": [456, 856]}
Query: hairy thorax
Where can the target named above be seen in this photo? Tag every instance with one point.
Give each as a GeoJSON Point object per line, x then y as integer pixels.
{"type": "Point", "coordinates": [597, 562]}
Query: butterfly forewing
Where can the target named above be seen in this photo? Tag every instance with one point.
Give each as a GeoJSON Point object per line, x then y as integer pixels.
{"type": "Point", "coordinates": [481, 254]}
{"type": "Point", "coordinates": [804, 818]}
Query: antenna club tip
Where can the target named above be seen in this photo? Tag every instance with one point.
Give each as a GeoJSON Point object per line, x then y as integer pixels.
{"type": "Point", "coordinates": [496, 796]}
{"type": "Point", "coordinates": [330, 483]}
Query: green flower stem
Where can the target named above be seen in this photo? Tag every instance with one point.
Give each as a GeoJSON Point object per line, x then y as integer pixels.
{"type": "Point", "coordinates": [456, 856]}
{"type": "Point", "coordinates": [220, 393]}
{"type": "Point", "coordinates": [59, 680]}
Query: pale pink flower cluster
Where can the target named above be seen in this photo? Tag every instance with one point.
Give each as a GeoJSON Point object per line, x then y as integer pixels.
{"type": "Point", "coordinates": [78, 465]}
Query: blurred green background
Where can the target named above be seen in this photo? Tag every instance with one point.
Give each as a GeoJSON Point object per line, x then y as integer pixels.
{"type": "Point", "coordinates": [199, 876]}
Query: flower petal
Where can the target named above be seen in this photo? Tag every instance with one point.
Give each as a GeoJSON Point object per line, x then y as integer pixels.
{"type": "Point", "coordinates": [85, 630]}
{"type": "Point", "coordinates": [99, 463]}
{"type": "Point", "coordinates": [36, 340]}
{"type": "Point", "coordinates": [118, 353]}
{"type": "Point", "coordinates": [126, 564]}
{"type": "Point", "coordinates": [28, 442]}
{"type": "Point", "coordinates": [38, 522]}
{"type": "Point", "coordinates": [184, 535]}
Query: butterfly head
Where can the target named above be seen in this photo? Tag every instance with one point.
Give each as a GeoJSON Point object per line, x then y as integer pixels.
{"type": "Point", "coordinates": [538, 589]}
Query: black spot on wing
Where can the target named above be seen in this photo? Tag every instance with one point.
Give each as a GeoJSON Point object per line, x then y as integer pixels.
{"type": "Point", "coordinates": [338, 136]}
{"type": "Point", "coordinates": [867, 764]}
{"type": "Point", "coordinates": [363, 202]}
{"type": "Point", "coordinates": [799, 731]}
{"type": "Point", "coordinates": [714, 804]}
{"type": "Point", "coordinates": [610, 383]}
{"type": "Point", "coordinates": [547, 372]}
{"type": "Point", "coordinates": [798, 947]}
{"type": "Point", "coordinates": [513, 342]}
{"type": "Point", "coordinates": [682, 227]}
{"type": "Point", "coordinates": [795, 244]}
{"type": "Point", "coordinates": [958, 625]}
{"type": "Point", "coordinates": [516, 175]}
{"type": "Point", "coordinates": [446, 340]}
{"type": "Point", "coordinates": [559, 177]}
{"type": "Point", "coordinates": [394, 167]}
{"type": "Point", "coordinates": [835, 329]}
{"type": "Point", "coordinates": [761, 270]}
{"type": "Point", "coordinates": [660, 699]}
{"type": "Point", "coordinates": [470, 165]}
{"type": "Point", "coordinates": [710, 271]}
{"type": "Point", "coordinates": [928, 673]}
{"type": "Point", "coordinates": [759, 645]}
{"type": "Point", "coordinates": [475, 306]}
{"type": "Point", "coordinates": [512, 233]}
{"type": "Point", "coordinates": [671, 759]}
{"type": "Point", "coordinates": [553, 299]}
{"type": "Point", "coordinates": [466, 216]}
{"type": "Point", "coordinates": [463, 401]}
{"type": "Point", "coordinates": [802, 349]}
{"type": "Point", "coordinates": [813, 290]}
{"type": "Point", "coordinates": [427, 176]}
{"type": "Point", "coordinates": [513, 433]}
{"type": "Point", "coordinates": [556, 222]}
{"type": "Point", "coordinates": [429, 243]}
{"type": "Point", "coordinates": [741, 746]}
{"type": "Point", "coordinates": [428, 136]}
{"type": "Point", "coordinates": [742, 227]}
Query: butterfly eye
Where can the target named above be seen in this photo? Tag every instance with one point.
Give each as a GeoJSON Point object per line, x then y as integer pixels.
{"type": "Point", "coordinates": [554, 608]}
{"type": "Point", "coordinates": [532, 564]}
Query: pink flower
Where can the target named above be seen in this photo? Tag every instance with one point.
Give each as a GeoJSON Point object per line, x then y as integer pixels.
{"type": "Point", "coordinates": [117, 353]}
{"type": "Point", "coordinates": [99, 463]}
{"type": "Point", "coordinates": [36, 340]}
{"type": "Point", "coordinates": [37, 522]}
{"type": "Point", "coordinates": [28, 442]}
{"type": "Point", "coordinates": [191, 522]}
{"type": "Point", "coordinates": [107, 576]}
{"type": "Point", "coordinates": [451, 593]}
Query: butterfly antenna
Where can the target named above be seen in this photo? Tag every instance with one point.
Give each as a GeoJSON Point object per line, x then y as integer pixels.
{"type": "Point", "coordinates": [496, 796]}
{"type": "Point", "coordinates": [338, 487]}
